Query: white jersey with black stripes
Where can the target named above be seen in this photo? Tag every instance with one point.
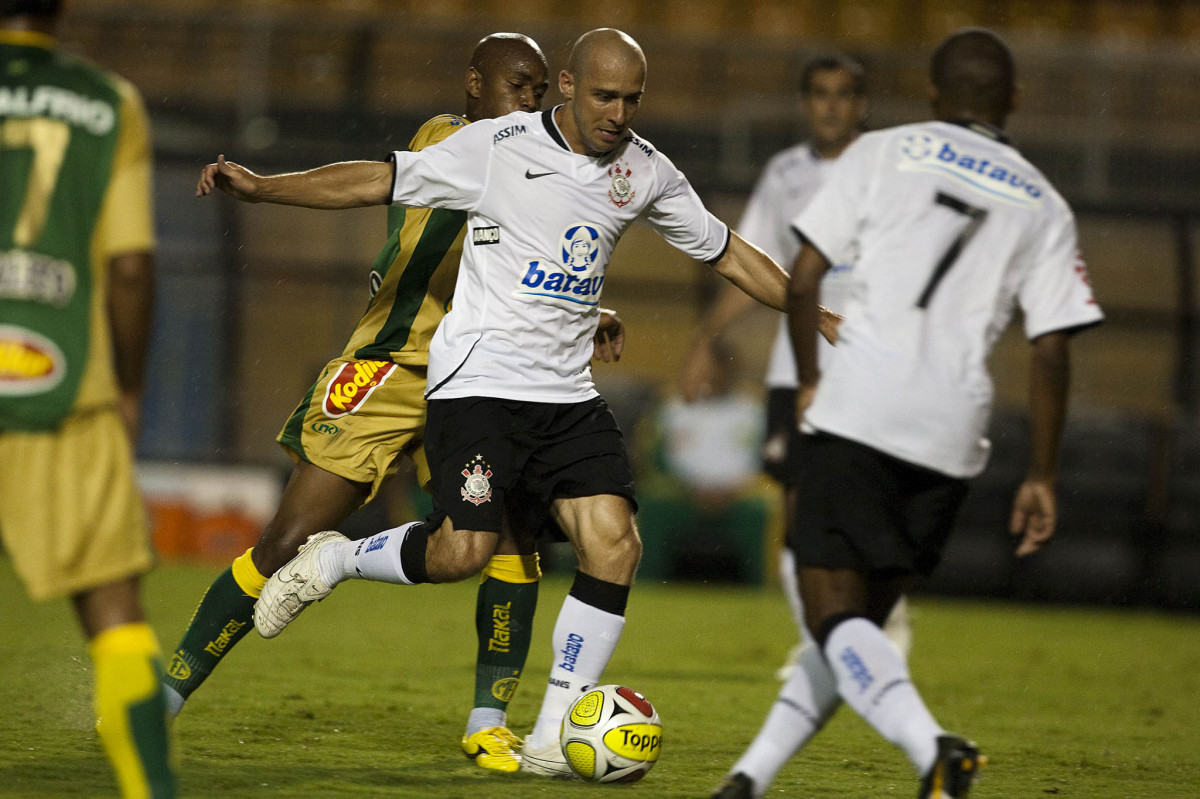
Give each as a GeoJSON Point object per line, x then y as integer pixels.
{"type": "Point", "coordinates": [948, 228]}
{"type": "Point", "coordinates": [542, 222]}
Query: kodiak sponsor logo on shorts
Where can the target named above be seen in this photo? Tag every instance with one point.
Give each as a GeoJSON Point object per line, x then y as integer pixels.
{"type": "Point", "coordinates": [30, 363]}
{"type": "Point", "coordinates": [352, 384]}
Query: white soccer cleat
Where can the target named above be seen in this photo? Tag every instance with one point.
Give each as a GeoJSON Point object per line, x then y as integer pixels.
{"type": "Point", "coordinates": [547, 761]}
{"type": "Point", "coordinates": [294, 587]}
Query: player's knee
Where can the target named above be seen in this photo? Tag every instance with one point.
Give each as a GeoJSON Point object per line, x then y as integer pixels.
{"type": "Point", "coordinates": [458, 555]}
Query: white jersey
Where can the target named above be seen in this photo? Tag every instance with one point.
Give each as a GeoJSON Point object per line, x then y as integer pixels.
{"type": "Point", "coordinates": [949, 228]}
{"type": "Point", "coordinates": [788, 182]}
{"type": "Point", "coordinates": [542, 222]}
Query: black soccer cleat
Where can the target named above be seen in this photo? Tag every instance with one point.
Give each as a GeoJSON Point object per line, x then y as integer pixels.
{"type": "Point", "coordinates": [955, 770]}
{"type": "Point", "coordinates": [735, 786]}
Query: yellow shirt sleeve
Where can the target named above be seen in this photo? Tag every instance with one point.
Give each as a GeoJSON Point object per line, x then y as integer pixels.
{"type": "Point", "coordinates": [127, 220]}
{"type": "Point", "coordinates": [435, 130]}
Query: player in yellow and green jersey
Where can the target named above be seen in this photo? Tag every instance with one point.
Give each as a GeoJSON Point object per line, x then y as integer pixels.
{"type": "Point", "coordinates": [76, 291]}
{"type": "Point", "coordinates": [367, 409]}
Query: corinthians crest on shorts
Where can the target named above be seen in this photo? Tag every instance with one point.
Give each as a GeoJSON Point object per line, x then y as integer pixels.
{"type": "Point", "coordinates": [478, 487]}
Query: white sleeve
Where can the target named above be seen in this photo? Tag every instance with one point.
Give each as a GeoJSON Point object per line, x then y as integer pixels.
{"type": "Point", "coordinates": [681, 219]}
{"type": "Point", "coordinates": [1056, 293]}
{"type": "Point", "coordinates": [762, 224]}
{"type": "Point", "coordinates": [451, 174]}
{"type": "Point", "coordinates": [832, 219]}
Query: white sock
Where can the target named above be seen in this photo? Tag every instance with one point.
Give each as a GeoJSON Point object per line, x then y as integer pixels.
{"type": "Point", "coordinates": [174, 701]}
{"type": "Point", "coordinates": [483, 717]}
{"type": "Point", "coordinates": [374, 558]}
{"type": "Point", "coordinates": [584, 639]}
{"type": "Point", "coordinates": [805, 703]}
{"type": "Point", "coordinates": [873, 679]}
{"type": "Point", "coordinates": [791, 587]}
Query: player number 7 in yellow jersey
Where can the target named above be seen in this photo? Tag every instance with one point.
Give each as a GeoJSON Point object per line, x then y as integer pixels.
{"type": "Point", "coordinates": [48, 139]}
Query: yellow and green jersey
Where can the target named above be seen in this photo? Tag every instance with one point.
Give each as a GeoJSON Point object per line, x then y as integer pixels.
{"type": "Point", "coordinates": [74, 191]}
{"type": "Point", "coordinates": [413, 277]}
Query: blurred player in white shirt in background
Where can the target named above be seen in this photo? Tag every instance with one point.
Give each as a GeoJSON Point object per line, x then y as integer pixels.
{"type": "Point", "coordinates": [949, 229]}
{"type": "Point", "coordinates": [834, 103]}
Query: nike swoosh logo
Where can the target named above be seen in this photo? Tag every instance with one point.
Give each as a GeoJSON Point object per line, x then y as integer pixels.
{"type": "Point", "coordinates": [531, 175]}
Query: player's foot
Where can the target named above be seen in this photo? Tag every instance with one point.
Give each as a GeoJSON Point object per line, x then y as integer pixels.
{"type": "Point", "coordinates": [494, 748]}
{"type": "Point", "coordinates": [293, 588]}
{"type": "Point", "coordinates": [956, 768]}
{"type": "Point", "coordinates": [735, 786]}
{"type": "Point", "coordinates": [548, 761]}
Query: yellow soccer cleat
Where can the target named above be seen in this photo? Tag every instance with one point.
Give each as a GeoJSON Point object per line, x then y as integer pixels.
{"type": "Point", "coordinates": [494, 748]}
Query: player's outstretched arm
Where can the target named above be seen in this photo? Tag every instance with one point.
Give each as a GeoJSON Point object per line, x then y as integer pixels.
{"type": "Point", "coordinates": [609, 341]}
{"type": "Point", "coordinates": [349, 184]}
{"type": "Point", "coordinates": [754, 272]}
{"type": "Point", "coordinates": [1035, 509]}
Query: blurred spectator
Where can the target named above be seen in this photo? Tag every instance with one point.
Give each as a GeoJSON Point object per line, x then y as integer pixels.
{"type": "Point", "coordinates": [702, 511]}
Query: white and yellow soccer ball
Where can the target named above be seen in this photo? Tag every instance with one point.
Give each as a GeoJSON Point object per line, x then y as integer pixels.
{"type": "Point", "coordinates": [611, 734]}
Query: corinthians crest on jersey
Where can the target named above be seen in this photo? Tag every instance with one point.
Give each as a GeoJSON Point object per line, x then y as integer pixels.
{"type": "Point", "coordinates": [478, 486]}
{"type": "Point", "coordinates": [621, 193]}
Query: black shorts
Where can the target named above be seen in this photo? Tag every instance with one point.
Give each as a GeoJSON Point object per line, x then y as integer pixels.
{"type": "Point", "coordinates": [488, 456]}
{"type": "Point", "coordinates": [858, 508]}
{"type": "Point", "coordinates": [783, 436]}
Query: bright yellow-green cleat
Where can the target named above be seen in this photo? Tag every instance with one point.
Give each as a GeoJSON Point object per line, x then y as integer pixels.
{"type": "Point", "coordinates": [494, 748]}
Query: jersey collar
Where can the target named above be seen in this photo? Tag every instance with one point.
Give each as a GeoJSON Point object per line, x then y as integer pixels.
{"type": "Point", "coordinates": [552, 127]}
{"type": "Point", "coordinates": [982, 128]}
{"type": "Point", "coordinates": [27, 39]}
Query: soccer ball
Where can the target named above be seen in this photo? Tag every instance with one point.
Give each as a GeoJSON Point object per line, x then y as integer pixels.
{"type": "Point", "coordinates": [611, 734]}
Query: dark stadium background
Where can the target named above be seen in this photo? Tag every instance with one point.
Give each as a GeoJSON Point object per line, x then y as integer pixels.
{"type": "Point", "coordinates": [253, 299]}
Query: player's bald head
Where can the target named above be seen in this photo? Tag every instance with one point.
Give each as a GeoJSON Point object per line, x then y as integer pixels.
{"type": "Point", "coordinates": [606, 49]}
{"type": "Point", "coordinates": [499, 50]}
{"type": "Point", "coordinates": [973, 72]}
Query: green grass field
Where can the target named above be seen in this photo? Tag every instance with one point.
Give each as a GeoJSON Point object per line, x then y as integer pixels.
{"type": "Point", "coordinates": [366, 696]}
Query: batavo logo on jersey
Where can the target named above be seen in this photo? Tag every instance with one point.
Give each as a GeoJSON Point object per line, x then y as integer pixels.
{"type": "Point", "coordinates": [932, 153]}
{"type": "Point", "coordinates": [579, 251]}
{"type": "Point", "coordinates": [30, 363]}
{"type": "Point", "coordinates": [352, 384]}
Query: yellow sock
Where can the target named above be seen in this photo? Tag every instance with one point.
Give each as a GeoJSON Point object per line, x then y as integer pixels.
{"type": "Point", "coordinates": [513, 568]}
{"type": "Point", "coordinates": [246, 575]}
{"type": "Point", "coordinates": [130, 712]}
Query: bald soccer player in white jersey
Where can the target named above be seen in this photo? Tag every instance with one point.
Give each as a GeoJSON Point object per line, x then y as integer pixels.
{"type": "Point", "coordinates": [949, 229]}
{"type": "Point", "coordinates": [833, 101]}
{"type": "Point", "coordinates": [514, 420]}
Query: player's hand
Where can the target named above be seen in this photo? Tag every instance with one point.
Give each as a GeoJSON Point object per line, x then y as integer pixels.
{"type": "Point", "coordinates": [828, 323]}
{"type": "Point", "coordinates": [233, 179]}
{"type": "Point", "coordinates": [1034, 515]}
{"type": "Point", "coordinates": [609, 340]}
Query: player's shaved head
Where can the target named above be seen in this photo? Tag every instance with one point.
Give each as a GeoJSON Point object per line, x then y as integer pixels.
{"type": "Point", "coordinates": [973, 74]}
{"type": "Point", "coordinates": [606, 48]}
{"type": "Point", "coordinates": [498, 49]}
{"type": "Point", "coordinates": [507, 73]}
